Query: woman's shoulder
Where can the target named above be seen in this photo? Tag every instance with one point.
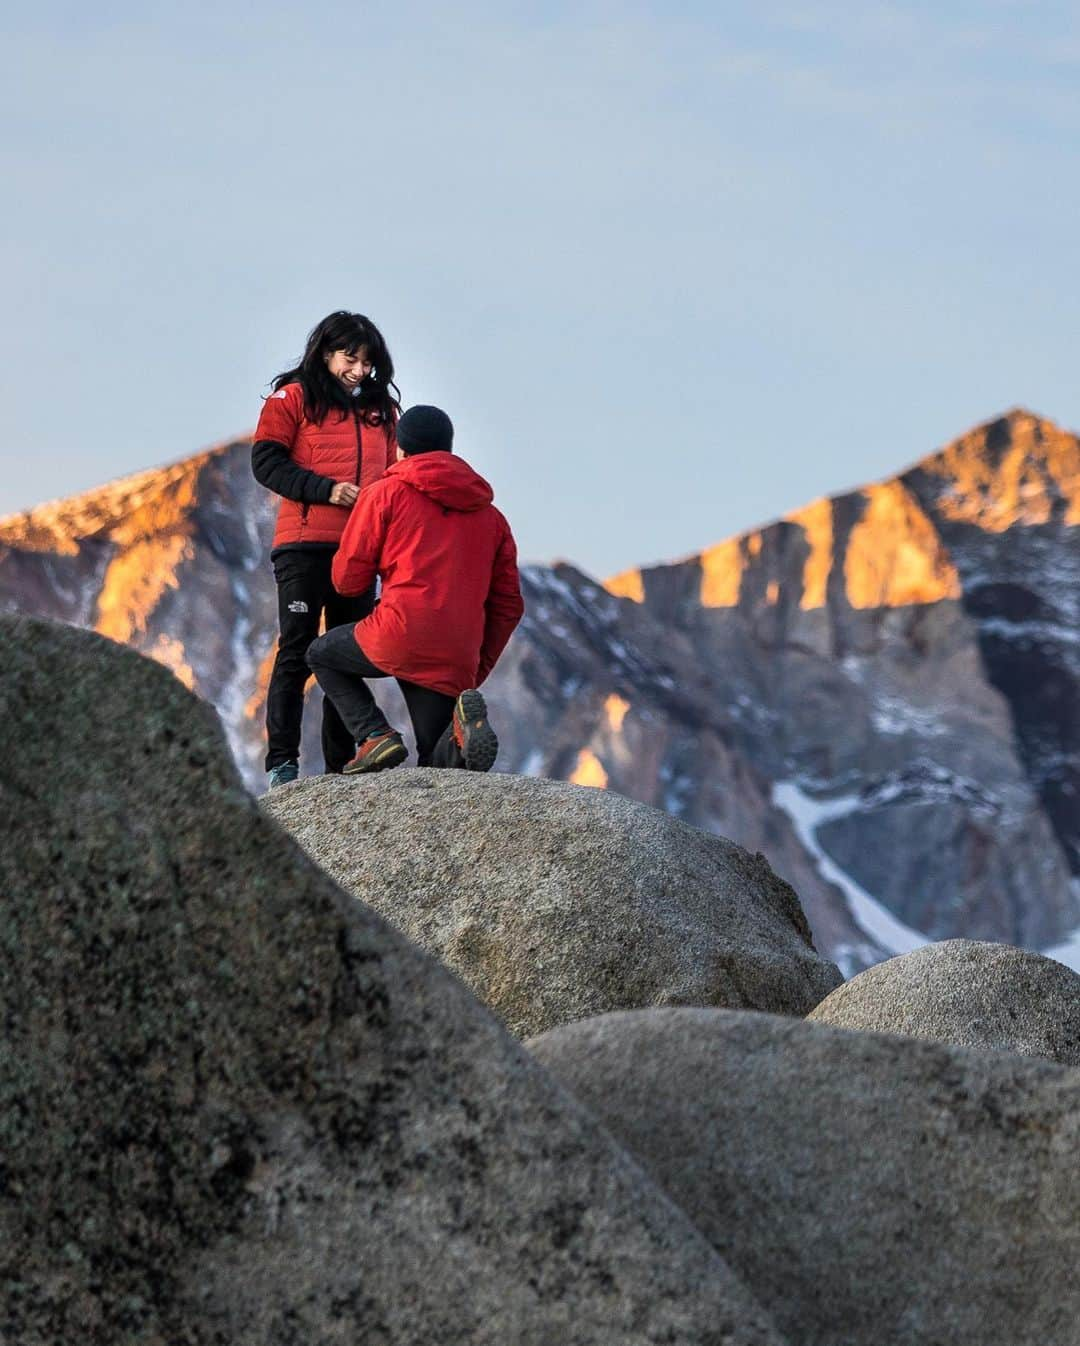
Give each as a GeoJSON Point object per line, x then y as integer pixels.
{"type": "Point", "coordinates": [288, 392]}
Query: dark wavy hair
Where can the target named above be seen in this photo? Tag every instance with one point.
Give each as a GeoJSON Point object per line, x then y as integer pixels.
{"type": "Point", "coordinates": [378, 397]}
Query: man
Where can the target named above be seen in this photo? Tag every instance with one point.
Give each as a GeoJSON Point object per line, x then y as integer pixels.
{"type": "Point", "coordinates": [450, 601]}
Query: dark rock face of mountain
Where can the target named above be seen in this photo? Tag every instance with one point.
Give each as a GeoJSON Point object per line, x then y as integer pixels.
{"type": "Point", "coordinates": [879, 692]}
{"type": "Point", "coordinates": [1005, 500]}
{"type": "Point", "coordinates": [903, 661]}
{"type": "Point", "coordinates": [171, 561]}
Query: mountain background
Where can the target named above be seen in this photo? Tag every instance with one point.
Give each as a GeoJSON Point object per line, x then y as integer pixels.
{"type": "Point", "coordinates": [878, 691]}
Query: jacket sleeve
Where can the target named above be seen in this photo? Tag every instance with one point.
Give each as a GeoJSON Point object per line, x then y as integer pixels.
{"type": "Point", "coordinates": [504, 607]}
{"type": "Point", "coordinates": [356, 561]}
{"type": "Point", "coordinates": [271, 453]}
{"type": "Point", "coordinates": [273, 467]}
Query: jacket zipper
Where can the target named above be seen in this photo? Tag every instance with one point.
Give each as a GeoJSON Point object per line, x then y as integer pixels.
{"type": "Point", "coordinates": [356, 418]}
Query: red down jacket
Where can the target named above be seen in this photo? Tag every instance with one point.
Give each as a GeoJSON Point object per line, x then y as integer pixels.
{"type": "Point", "coordinates": [345, 447]}
{"type": "Point", "coordinates": [450, 591]}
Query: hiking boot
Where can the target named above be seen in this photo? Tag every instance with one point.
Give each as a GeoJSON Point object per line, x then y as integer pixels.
{"type": "Point", "coordinates": [473, 735]}
{"type": "Point", "coordinates": [377, 754]}
{"type": "Point", "coordinates": [282, 774]}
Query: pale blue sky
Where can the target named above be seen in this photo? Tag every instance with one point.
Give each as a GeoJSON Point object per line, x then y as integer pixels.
{"type": "Point", "coordinates": [673, 270]}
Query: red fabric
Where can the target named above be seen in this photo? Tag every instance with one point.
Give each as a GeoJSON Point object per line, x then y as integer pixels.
{"type": "Point", "coordinates": [329, 449]}
{"type": "Point", "coordinates": [450, 590]}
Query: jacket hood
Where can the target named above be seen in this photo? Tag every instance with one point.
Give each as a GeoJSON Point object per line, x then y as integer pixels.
{"type": "Point", "coordinates": [447, 479]}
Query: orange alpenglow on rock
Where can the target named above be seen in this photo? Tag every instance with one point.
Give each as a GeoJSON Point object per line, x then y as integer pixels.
{"type": "Point", "coordinates": [154, 539]}
{"type": "Point", "coordinates": [589, 771]}
{"type": "Point", "coordinates": [615, 708]}
{"type": "Point", "coordinates": [132, 508]}
{"type": "Point", "coordinates": [1039, 466]}
{"type": "Point", "coordinates": [147, 518]}
{"type": "Point", "coordinates": [627, 585]}
{"type": "Point", "coordinates": [894, 555]}
{"type": "Point", "coordinates": [135, 582]}
{"type": "Point", "coordinates": [170, 652]}
{"type": "Point", "coordinates": [722, 571]}
{"type": "Point", "coordinates": [256, 702]}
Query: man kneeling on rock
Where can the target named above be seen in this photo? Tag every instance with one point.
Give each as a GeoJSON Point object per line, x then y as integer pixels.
{"type": "Point", "coordinates": [449, 603]}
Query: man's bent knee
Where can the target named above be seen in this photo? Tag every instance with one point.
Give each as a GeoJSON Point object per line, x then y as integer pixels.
{"type": "Point", "coordinates": [314, 651]}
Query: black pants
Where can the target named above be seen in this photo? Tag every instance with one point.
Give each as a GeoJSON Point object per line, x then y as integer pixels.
{"type": "Point", "coordinates": [341, 666]}
{"type": "Point", "coordinates": [305, 591]}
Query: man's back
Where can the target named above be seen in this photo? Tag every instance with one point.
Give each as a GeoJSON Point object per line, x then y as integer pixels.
{"type": "Point", "coordinates": [446, 556]}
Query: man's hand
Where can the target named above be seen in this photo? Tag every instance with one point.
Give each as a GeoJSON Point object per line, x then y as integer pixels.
{"type": "Point", "coordinates": [344, 493]}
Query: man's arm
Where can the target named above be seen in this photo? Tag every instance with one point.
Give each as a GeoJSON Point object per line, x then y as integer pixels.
{"type": "Point", "coordinates": [504, 607]}
{"type": "Point", "coordinates": [356, 561]}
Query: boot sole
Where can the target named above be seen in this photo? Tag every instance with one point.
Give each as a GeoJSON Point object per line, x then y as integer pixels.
{"type": "Point", "coordinates": [481, 746]}
{"type": "Point", "coordinates": [382, 759]}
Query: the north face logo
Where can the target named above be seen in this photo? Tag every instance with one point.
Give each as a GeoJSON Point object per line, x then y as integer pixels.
{"type": "Point", "coordinates": [280, 393]}
{"type": "Point", "coordinates": [298, 605]}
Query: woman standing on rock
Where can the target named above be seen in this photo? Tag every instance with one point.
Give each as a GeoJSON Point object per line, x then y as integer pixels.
{"type": "Point", "coordinates": [325, 432]}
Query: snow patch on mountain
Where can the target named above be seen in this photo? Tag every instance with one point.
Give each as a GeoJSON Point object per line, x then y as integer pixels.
{"type": "Point", "coordinates": [1054, 632]}
{"type": "Point", "coordinates": [870, 915]}
{"type": "Point", "coordinates": [893, 716]}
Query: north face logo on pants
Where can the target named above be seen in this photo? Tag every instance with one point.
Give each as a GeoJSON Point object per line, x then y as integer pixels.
{"type": "Point", "coordinates": [298, 605]}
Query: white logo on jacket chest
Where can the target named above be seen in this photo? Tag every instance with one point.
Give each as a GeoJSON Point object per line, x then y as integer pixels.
{"type": "Point", "coordinates": [298, 605]}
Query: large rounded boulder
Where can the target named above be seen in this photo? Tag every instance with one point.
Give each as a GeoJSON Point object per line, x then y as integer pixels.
{"type": "Point", "coordinates": [555, 902]}
{"type": "Point", "coordinates": [868, 1189]}
{"type": "Point", "coordinates": [236, 1106]}
{"type": "Point", "coordinates": [969, 993]}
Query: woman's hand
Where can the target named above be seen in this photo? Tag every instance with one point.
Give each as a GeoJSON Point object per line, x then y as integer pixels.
{"type": "Point", "coordinates": [344, 493]}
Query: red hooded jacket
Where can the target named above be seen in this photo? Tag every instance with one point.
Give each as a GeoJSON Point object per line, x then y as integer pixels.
{"type": "Point", "coordinates": [343, 447]}
{"type": "Point", "coordinates": [450, 591]}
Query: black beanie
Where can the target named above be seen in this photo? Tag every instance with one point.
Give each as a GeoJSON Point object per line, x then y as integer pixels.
{"type": "Point", "coordinates": [423, 429]}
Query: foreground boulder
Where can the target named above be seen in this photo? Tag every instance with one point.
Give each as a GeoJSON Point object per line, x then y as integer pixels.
{"type": "Point", "coordinates": [969, 993]}
{"type": "Point", "coordinates": [868, 1189]}
{"type": "Point", "coordinates": [235, 1106]}
{"type": "Point", "coordinates": [554, 901]}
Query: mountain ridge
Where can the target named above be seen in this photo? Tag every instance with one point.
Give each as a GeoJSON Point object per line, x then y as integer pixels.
{"type": "Point", "coordinates": [627, 583]}
{"type": "Point", "coordinates": [22, 527]}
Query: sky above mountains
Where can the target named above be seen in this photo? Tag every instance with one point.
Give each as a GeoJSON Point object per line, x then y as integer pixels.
{"type": "Point", "coordinates": [673, 272]}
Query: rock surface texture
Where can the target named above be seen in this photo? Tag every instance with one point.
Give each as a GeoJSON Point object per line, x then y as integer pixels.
{"type": "Point", "coordinates": [235, 1106]}
{"type": "Point", "coordinates": [868, 1189]}
{"type": "Point", "coordinates": [969, 993]}
{"type": "Point", "coordinates": [555, 902]}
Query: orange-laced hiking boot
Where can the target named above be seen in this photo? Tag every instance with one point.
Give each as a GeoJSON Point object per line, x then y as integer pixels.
{"type": "Point", "coordinates": [474, 736]}
{"type": "Point", "coordinates": [377, 754]}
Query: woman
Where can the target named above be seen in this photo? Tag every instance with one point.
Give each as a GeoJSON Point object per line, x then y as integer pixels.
{"type": "Point", "coordinates": [325, 432]}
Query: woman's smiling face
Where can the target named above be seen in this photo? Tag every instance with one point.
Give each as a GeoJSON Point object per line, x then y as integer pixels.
{"type": "Point", "coordinates": [350, 370]}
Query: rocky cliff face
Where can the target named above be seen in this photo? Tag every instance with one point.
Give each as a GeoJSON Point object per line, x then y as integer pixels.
{"type": "Point", "coordinates": [901, 662]}
{"type": "Point", "coordinates": [173, 562]}
{"type": "Point", "coordinates": [880, 692]}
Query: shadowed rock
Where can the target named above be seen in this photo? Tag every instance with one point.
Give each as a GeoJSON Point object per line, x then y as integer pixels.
{"type": "Point", "coordinates": [554, 901]}
{"type": "Point", "coordinates": [868, 1189]}
{"type": "Point", "coordinates": [235, 1106]}
{"type": "Point", "coordinates": [968, 993]}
